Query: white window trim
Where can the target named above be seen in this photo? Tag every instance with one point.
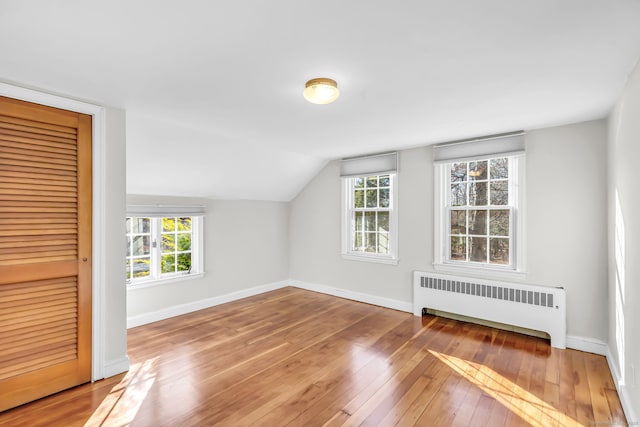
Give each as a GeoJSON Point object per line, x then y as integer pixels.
{"type": "Point", "coordinates": [440, 263]}
{"type": "Point", "coordinates": [197, 264]}
{"type": "Point", "coordinates": [347, 200]}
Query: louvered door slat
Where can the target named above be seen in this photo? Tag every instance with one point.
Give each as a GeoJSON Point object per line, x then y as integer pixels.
{"type": "Point", "coordinates": [40, 187]}
{"type": "Point", "coordinates": [45, 251]}
{"type": "Point", "coordinates": [27, 169]}
{"type": "Point", "coordinates": [17, 147]}
{"type": "Point", "coordinates": [39, 361]}
{"type": "Point", "coordinates": [7, 243]}
{"type": "Point", "coordinates": [36, 334]}
{"type": "Point", "coordinates": [39, 127]}
{"type": "Point", "coordinates": [37, 144]}
{"type": "Point", "coordinates": [33, 135]}
{"type": "Point", "coordinates": [24, 151]}
{"type": "Point", "coordinates": [37, 177]}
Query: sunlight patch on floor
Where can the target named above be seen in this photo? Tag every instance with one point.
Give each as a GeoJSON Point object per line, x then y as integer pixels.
{"type": "Point", "coordinates": [527, 406]}
{"type": "Point", "coordinates": [122, 403]}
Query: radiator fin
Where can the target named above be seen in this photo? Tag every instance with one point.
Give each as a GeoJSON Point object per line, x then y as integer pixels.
{"type": "Point", "coordinates": [541, 299]}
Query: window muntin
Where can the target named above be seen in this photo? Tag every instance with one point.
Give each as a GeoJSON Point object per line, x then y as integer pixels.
{"type": "Point", "coordinates": [160, 248]}
{"type": "Point", "coordinates": [370, 217]}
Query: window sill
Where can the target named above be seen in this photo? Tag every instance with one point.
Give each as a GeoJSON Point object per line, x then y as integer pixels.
{"type": "Point", "coordinates": [371, 258]}
{"type": "Point", "coordinates": [163, 281]}
{"type": "Point", "coordinates": [480, 272]}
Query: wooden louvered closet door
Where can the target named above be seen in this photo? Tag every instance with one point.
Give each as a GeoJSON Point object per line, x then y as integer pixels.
{"type": "Point", "coordinates": [45, 251]}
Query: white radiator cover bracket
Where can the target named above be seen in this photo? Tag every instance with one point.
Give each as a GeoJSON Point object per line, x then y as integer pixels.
{"type": "Point", "coordinates": [534, 307]}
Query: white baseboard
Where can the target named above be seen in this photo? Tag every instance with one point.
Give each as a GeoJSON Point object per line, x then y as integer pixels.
{"type": "Point", "coordinates": [590, 345]}
{"type": "Point", "coordinates": [177, 310]}
{"type": "Point", "coordinates": [625, 400]}
{"type": "Point", "coordinates": [115, 367]}
{"type": "Point", "coordinates": [355, 296]}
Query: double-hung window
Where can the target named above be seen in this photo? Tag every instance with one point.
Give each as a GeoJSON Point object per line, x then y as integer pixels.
{"type": "Point", "coordinates": [162, 246]}
{"type": "Point", "coordinates": [369, 226]}
{"type": "Point", "coordinates": [479, 205]}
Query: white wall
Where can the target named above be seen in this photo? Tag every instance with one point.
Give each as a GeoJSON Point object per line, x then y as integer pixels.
{"type": "Point", "coordinates": [566, 220]}
{"type": "Point", "coordinates": [566, 225]}
{"type": "Point", "coordinates": [315, 223]}
{"type": "Point", "coordinates": [624, 243]}
{"type": "Point", "coordinates": [245, 245]}
{"type": "Point", "coordinates": [114, 169]}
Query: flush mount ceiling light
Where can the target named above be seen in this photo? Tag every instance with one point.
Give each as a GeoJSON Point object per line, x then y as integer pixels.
{"type": "Point", "coordinates": [321, 91]}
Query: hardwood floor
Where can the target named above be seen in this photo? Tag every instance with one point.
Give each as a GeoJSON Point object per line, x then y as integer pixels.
{"type": "Point", "coordinates": [297, 358]}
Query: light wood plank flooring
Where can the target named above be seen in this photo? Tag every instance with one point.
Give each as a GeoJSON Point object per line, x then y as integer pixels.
{"type": "Point", "coordinates": [297, 358]}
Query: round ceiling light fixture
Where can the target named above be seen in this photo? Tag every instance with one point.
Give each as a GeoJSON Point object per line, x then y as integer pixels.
{"type": "Point", "coordinates": [321, 91]}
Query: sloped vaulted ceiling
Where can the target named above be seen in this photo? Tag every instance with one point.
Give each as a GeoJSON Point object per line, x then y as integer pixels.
{"type": "Point", "coordinates": [213, 90]}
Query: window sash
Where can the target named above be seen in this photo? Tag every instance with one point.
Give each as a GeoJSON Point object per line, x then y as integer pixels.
{"type": "Point", "coordinates": [487, 235]}
{"type": "Point", "coordinates": [349, 238]}
{"type": "Point", "coordinates": [156, 253]}
{"type": "Point", "coordinates": [442, 220]}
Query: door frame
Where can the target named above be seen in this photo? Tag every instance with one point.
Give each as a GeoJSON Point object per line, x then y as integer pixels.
{"type": "Point", "coordinates": [98, 321]}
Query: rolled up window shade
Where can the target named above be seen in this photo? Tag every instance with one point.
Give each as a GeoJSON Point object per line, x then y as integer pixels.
{"type": "Point", "coordinates": [377, 164]}
{"type": "Point", "coordinates": [160, 211]}
{"type": "Point", "coordinates": [500, 145]}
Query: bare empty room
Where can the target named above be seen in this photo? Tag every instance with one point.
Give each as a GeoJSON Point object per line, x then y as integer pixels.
{"type": "Point", "coordinates": [347, 213]}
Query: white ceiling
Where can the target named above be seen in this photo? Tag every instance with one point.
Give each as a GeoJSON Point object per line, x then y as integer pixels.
{"type": "Point", "coordinates": [213, 89]}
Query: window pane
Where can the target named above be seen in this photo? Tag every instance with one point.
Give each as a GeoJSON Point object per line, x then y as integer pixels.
{"type": "Point", "coordinates": [384, 198]}
{"type": "Point", "coordinates": [459, 172]}
{"type": "Point", "coordinates": [358, 199]}
{"type": "Point", "coordinates": [141, 225]}
{"type": "Point", "coordinates": [499, 252]}
{"type": "Point", "coordinates": [499, 168]}
{"type": "Point", "coordinates": [128, 246]}
{"type": "Point", "coordinates": [358, 182]}
{"type": "Point", "coordinates": [478, 170]}
{"type": "Point", "coordinates": [184, 224]}
{"type": "Point", "coordinates": [383, 221]}
{"type": "Point", "coordinates": [184, 262]}
{"type": "Point", "coordinates": [459, 248]}
{"type": "Point", "coordinates": [372, 198]}
{"type": "Point", "coordinates": [478, 194]}
{"type": "Point", "coordinates": [128, 272]}
{"type": "Point", "coordinates": [141, 267]}
{"type": "Point", "coordinates": [372, 181]}
{"type": "Point", "coordinates": [168, 243]}
{"type": "Point", "coordinates": [384, 181]}
{"type": "Point", "coordinates": [370, 242]}
{"type": "Point", "coordinates": [168, 263]}
{"type": "Point", "coordinates": [358, 221]}
{"type": "Point", "coordinates": [370, 221]}
{"type": "Point", "coordinates": [478, 249]}
{"type": "Point", "coordinates": [184, 242]}
{"type": "Point", "coordinates": [141, 245]}
{"type": "Point", "coordinates": [357, 242]}
{"type": "Point", "coordinates": [499, 223]}
{"type": "Point", "coordinates": [383, 243]}
{"type": "Point", "coordinates": [458, 222]}
{"type": "Point", "coordinates": [478, 222]}
{"type": "Point", "coordinates": [458, 194]}
{"type": "Point", "coordinates": [500, 193]}
{"type": "Point", "coordinates": [128, 225]}
{"type": "Point", "coordinates": [168, 224]}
